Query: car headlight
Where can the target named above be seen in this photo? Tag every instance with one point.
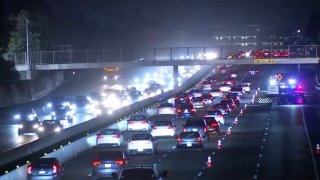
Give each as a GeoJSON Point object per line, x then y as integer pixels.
{"type": "Point", "coordinates": [41, 129]}
{"type": "Point", "coordinates": [53, 113]}
{"type": "Point", "coordinates": [35, 126]}
{"type": "Point", "coordinates": [49, 105]}
{"type": "Point", "coordinates": [20, 126]}
{"type": "Point", "coordinates": [17, 116]}
{"type": "Point", "coordinates": [57, 129]}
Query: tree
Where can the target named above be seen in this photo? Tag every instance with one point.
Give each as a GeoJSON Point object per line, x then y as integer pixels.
{"type": "Point", "coordinates": [8, 71]}
{"type": "Point", "coordinates": [17, 39]}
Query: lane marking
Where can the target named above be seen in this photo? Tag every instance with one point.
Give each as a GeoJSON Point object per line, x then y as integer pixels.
{"type": "Point", "coordinates": [165, 155]}
{"type": "Point", "coordinates": [90, 174]}
{"type": "Point", "coordinates": [199, 174]}
{"type": "Point", "coordinates": [255, 176]}
{"type": "Point", "coordinates": [315, 167]}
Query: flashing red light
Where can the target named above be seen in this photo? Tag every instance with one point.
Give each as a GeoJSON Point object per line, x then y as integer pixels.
{"type": "Point", "coordinates": [120, 162]}
{"type": "Point", "coordinates": [99, 137]}
{"type": "Point", "coordinates": [96, 163]}
{"type": "Point", "coordinates": [29, 169]}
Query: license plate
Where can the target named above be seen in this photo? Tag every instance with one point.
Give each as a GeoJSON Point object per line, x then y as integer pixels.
{"type": "Point", "coordinates": [194, 129]}
{"type": "Point", "coordinates": [42, 172]}
{"type": "Point", "coordinates": [185, 110]}
{"type": "Point", "coordinates": [140, 149]}
{"type": "Point", "coordinates": [107, 165]}
{"type": "Point", "coordinates": [189, 144]}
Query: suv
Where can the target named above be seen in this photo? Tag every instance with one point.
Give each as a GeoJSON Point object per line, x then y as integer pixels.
{"type": "Point", "coordinates": [197, 125]}
{"type": "Point", "coordinates": [142, 143]}
{"type": "Point", "coordinates": [28, 121]}
{"type": "Point", "coordinates": [45, 168]}
{"type": "Point", "coordinates": [140, 172]}
{"type": "Point", "coordinates": [107, 162]}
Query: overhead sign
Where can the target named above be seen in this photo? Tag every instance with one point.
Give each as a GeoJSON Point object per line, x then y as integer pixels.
{"type": "Point", "coordinates": [265, 61]}
{"type": "Point", "coordinates": [279, 77]}
{"type": "Point", "coordinates": [111, 69]}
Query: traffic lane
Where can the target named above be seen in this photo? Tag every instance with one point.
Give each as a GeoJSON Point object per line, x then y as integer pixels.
{"type": "Point", "coordinates": [287, 154]}
{"type": "Point", "coordinates": [312, 120]}
{"type": "Point", "coordinates": [9, 133]}
{"type": "Point", "coordinates": [238, 156]}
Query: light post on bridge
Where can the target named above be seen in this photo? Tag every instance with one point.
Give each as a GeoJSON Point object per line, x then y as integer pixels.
{"type": "Point", "coordinates": [27, 38]}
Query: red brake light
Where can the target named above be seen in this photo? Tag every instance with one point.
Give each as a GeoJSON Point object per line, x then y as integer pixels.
{"type": "Point", "coordinates": [130, 122]}
{"type": "Point", "coordinates": [154, 127]}
{"type": "Point", "coordinates": [144, 122]}
{"type": "Point", "coordinates": [193, 110]}
{"type": "Point", "coordinates": [99, 137]}
{"type": "Point", "coordinates": [116, 136]}
{"type": "Point", "coordinates": [29, 169]}
{"type": "Point", "coordinates": [120, 162]}
{"type": "Point", "coordinates": [184, 130]}
{"type": "Point", "coordinates": [54, 168]}
{"type": "Point", "coordinates": [179, 139]}
{"type": "Point", "coordinates": [198, 138]}
{"type": "Point", "coordinates": [96, 163]}
{"type": "Point", "coordinates": [179, 110]}
{"type": "Point", "coordinates": [214, 124]}
{"type": "Point", "coordinates": [204, 129]}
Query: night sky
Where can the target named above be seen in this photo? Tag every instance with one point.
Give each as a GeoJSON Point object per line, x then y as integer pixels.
{"type": "Point", "coordinates": [100, 23]}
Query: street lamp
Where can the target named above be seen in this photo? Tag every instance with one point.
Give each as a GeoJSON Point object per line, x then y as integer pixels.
{"type": "Point", "coordinates": [27, 34]}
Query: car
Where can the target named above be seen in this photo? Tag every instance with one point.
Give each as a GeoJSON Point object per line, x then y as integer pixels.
{"type": "Point", "coordinates": [45, 168]}
{"type": "Point", "coordinates": [186, 109]}
{"type": "Point", "coordinates": [224, 87]}
{"type": "Point", "coordinates": [153, 89]}
{"type": "Point", "coordinates": [235, 97]}
{"type": "Point", "coordinates": [138, 122]}
{"type": "Point", "coordinates": [141, 172]}
{"type": "Point", "coordinates": [83, 105]}
{"type": "Point", "coordinates": [224, 108]}
{"type": "Point", "coordinates": [166, 108]}
{"type": "Point", "coordinates": [195, 93]}
{"type": "Point", "coordinates": [246, 87]}
{"type": "Point", "coordinates": [208, 99]}
{"type": "Point", "coordinates": [213, 125]}
{"type": "Point", "coordinates": [206, 85]}
{"type": "Point", "coordinates": [28, 121]}
{"type": "Point", "coordinates": [142, 143]}
{"type": "Point", "coordinates": [237, 89]}
{"type": "Point", "coordinates": [108, 136]}
{"type": "Point", "coordinates": [49, 126]}
{"type": "Point", "coordinates": [222, 69]}
{"type": "Point", "coordinates": [134, 94]}
{"type": "Point", "coordinates": [216, 93]}
{"type": "Point", "coordinates": [198, 102]}
{"type": "Point", "coordinates": [61, 112]}
{"type": "Point", "coordinates": [230, 102]}
{"type": "Point", "coordinates": [217, 114]}
{"type": "Point", "coordinates": [229, 81]}
{"type": "Point", "coordinates": [163, 128]}
{"type": "Point", "coordinates": [190, 140]}
{"type": "Point", "coordinates": [181, 98]}
{"type": "Point", "coordinates": [197, 125]}
{"type": "Point", "coordinates": [55, 101]}
{"type": "Point", "coordinates": [233, 75]}
{"type": "Point", "coordinates": [107, 162]}
{"type": "Point", "coordinates": [212, 79]}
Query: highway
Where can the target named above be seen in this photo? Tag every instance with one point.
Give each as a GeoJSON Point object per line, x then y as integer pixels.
{"type": "Point", "coordinates": [270, 142]}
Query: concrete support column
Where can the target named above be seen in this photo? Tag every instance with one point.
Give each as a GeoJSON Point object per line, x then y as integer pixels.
{"type": "Point", "coordinates": [175, 77]}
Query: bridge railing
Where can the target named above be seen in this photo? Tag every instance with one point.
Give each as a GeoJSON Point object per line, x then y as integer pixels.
{"type": "Point", "coordinates": [163, 54]}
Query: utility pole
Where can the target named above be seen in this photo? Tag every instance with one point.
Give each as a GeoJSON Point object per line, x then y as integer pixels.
{"type": "Point", "coordinates": [27, 37]}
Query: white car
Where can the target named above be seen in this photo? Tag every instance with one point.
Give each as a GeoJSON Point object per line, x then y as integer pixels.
{"type": "Point", "coordinates": [138, 123]}
{"type": "Point", "coordinates": [198, 102]}
{"type": "Point", "coordinates": [109, 137]}
{"type": "Point", "coordinates": [208, 99]}
{"type": "Point", "coordinates": [163, 128]}
{"type": "Point", "coordinates": [233, 75]}
{"type": "Point", "coordinates": [166, 108]}
{"type": "Point", "coordinates": [216, 93]}
{"type": "Point", "coordinates": [217, 114]}
{"type": "Point", "coordinates": [246, 87]}
{"type": "Point", "coordinates": [142, 143]}
{"type": "Point", "coordinates": [238, 90]}
{"type": "Point", "coordinates": [224, 87]}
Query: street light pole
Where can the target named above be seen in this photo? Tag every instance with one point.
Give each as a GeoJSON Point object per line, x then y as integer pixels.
{"type": "Point", "coordinates": [27, 55]}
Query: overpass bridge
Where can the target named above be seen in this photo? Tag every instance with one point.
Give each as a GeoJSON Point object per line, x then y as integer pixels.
{"type": "Point", "coordinates": [172, 56]}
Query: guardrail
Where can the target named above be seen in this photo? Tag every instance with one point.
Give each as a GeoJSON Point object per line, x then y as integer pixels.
{"type": "Point", "coordinates": [19, 156]}
{"type": "Point", "coordinates": [161, 54]}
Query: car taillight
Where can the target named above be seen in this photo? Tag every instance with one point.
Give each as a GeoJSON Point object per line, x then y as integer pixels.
{"type": "Point", "coordinates": [29, 169]}
{"type": "Point", "coordinates": [184, 130]}
{"type": "Point", "coordinates": [169, 127]}
{"type": "Point", "coordinates": [179, 110]}
{"type": "Point", "coordinates": [193, 110]}
{"type": "Point", "coordinates": [227, 110]}
{"type": "Point", "coordinates": [116, 136]}
{"type": "Point", "coordinates": [120, 162]}
{"type": "Point", "coordinates": [99, 137]}
{"type": "Point", "coordinates": [144, 122]}
{"type": "Point", "coordinates": [96, 163]}
{"type": "Point", "coordinates": [54, 169]}
{"type": "Point", "coordinates": [130, 122]}
{"type": "Point", "coordinates": [154, 127]}
{"type": "Point", "coordinates": [198, 138]}
{"type": "Point", "coordinates": [211, 98]}
{"type": "Point", "coordinates": [214, 124]}
{"type": "Point", "coordinates": [204, 129]}
{"type": "Point", "coordinates": [179, 139]}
